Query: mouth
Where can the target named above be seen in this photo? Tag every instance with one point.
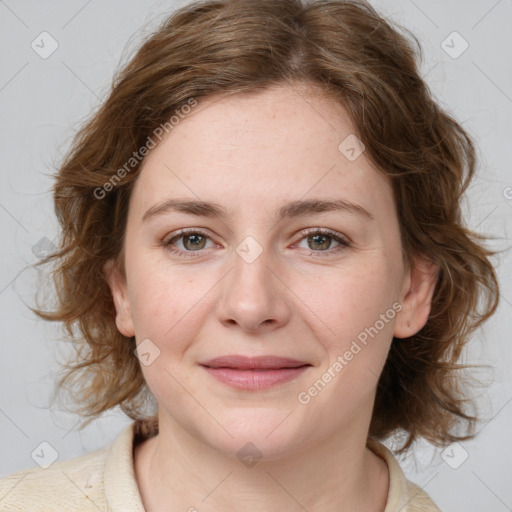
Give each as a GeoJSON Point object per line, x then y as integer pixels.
{"type": "Point", "coordinates": [237, 362]}
{"type": "Point", "coordinates": [254, 373]}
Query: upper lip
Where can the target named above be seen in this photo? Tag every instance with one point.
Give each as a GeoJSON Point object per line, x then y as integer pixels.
{"type": "Point", "coordinates": [256, 362]}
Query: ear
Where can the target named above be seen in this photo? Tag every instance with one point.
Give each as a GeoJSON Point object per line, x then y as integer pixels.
{"type": "Point", "coordinates": [417, 292]}
{"type": "Point", "coordinates": [118, 288]}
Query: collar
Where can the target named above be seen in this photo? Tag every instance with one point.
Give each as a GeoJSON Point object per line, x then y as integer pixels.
{"type": "Point", "coordinates": [123, 494]}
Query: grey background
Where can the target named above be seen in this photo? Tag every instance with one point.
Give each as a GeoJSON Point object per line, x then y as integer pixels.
{"type": "Point", "coordinates": [43, 101]}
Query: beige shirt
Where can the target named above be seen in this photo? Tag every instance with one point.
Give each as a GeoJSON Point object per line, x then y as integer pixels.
{"type": "Point", "coordinates": [104, 480]}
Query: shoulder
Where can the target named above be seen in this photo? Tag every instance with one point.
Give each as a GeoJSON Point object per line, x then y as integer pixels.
{"type": "Point", "coordinates": [419, 500]}
{"type": "Point", "coordinates": [101, 480]}
{"type": "Point", "coordinates": [74, 484]}
{"type": "Point", "coordinates": [403, 495]}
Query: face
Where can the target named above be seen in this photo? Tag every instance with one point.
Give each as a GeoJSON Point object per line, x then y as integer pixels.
{"type": "Point", "coordinates": [295, 254]}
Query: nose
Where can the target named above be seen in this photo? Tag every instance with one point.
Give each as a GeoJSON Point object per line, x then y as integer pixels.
{"type": "Point", "coordinates": [254, 296]}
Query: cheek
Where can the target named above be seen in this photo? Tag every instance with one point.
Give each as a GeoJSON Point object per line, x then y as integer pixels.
{"type": "Point", "coordinates": [355, 307]}
{"type": "Point", "coordinates": [355, 342]}
{"type": "Point", "coordinates": [158, 308]}
{"type": "Point", "coordinates": [168, 306]}
{"type": "Point", "coordinates": [169, 311]}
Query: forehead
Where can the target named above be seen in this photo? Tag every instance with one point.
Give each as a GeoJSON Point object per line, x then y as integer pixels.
{"type": "Point", "coordinates": [267, 148]}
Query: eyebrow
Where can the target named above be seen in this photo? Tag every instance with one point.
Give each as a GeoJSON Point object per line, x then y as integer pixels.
{"type": "Point", "coordinates": [293, 209]}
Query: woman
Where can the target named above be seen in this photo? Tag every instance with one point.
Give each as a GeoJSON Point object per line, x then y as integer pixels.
{"type": "Point", "coordinates": [262, 231]}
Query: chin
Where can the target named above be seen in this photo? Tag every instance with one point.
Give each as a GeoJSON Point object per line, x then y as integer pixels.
{"type": "Point", "coordinates": [259, 433]}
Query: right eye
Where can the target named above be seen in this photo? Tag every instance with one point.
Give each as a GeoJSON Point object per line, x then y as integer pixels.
{"type": "Point", "coordinates": [191, 240]}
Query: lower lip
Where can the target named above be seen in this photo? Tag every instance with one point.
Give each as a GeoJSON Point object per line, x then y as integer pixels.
{"type": "Point", "coordinates": [254, 379]}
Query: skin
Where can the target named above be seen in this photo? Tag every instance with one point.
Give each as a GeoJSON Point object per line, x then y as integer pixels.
{"type": "Point", "coordinates": [252, 154]}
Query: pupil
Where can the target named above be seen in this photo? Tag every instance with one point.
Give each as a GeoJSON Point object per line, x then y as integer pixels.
{"type": "Point", "coordinates": [325, 242]}
{"type": "Point", "coordinates": [194, 241]}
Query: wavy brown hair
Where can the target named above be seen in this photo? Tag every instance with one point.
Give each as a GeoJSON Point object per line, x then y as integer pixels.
{"type": "Point", "coordinates": [354, 56]}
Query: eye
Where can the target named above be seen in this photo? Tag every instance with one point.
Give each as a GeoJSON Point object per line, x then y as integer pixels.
{"type": "Point", "coordinates": [321, 240]}
{"type": "Point", "coordinates": [191, 240]}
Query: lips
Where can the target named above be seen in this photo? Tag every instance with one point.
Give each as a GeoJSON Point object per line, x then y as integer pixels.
{"type": "Point", "coordinates": [256, 373]}
{"type": "Point", "coordinates": [256, 363]}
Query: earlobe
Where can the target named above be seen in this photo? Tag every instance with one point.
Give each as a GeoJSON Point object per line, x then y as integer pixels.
{"type": "Point", "coordinates": [117, 284]}
{"type": "Point", "coordinates": [420, 283]}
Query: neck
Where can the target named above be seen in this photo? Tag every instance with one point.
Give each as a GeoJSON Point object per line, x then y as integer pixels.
{"type": "Point", "coordinates": [177, 471]}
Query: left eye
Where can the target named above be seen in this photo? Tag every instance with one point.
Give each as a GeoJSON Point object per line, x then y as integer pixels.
{"type": "Point", "coordinates": [321, 241]}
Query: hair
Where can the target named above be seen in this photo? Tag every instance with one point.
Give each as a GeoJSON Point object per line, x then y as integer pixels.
{"type": "Point", "coordinates": [352, 55]}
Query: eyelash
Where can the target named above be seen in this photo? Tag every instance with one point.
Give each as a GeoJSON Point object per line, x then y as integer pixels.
{"type": "Point", "coordinates": [344, 242]}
